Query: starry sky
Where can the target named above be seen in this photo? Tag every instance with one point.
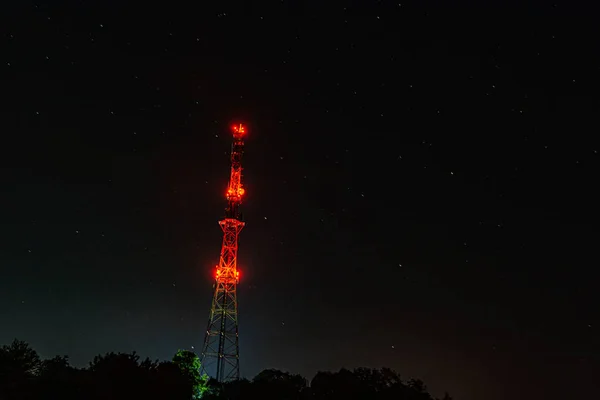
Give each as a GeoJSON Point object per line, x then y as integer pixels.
{"type": "Point", "coordinates": [421, 185]}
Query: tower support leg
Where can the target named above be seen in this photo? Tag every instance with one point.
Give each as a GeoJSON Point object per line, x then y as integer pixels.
{"type": "Point", "coordinates": [220, 354]}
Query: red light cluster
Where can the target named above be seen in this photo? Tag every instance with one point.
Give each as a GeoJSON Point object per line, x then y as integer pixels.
{"type": "Point", "coordinates": [239, 129]}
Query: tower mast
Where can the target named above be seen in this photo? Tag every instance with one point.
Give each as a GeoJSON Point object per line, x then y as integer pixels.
{"type": "Point", "coordinates": [220, 354]}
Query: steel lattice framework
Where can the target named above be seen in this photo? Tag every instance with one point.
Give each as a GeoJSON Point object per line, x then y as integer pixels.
{"type": "Point", "coordinates": [220, 354]}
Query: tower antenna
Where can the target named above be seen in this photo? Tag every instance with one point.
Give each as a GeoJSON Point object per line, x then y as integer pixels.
{"type": "Point", "coordinates": [221, 353]}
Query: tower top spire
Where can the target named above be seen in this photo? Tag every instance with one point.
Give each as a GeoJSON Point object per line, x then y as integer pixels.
{"type": "Point", "coordinates": [239, 130]}
{"type": "Point", "coordinates": [235, 190]}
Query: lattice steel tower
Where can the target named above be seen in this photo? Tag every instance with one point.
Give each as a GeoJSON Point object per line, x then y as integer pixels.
{"type": "Point", "coordinates": [221, 354]}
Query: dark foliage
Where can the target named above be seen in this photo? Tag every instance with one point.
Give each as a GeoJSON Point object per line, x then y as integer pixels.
{"type": "Point", "coordinates": [115, 376]}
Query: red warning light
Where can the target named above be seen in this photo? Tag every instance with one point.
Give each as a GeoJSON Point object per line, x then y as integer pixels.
{"type": "Point", "coordinates": [239, 129]}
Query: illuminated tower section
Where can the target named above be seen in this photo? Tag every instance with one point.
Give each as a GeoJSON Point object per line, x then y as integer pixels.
{"type": "Point", "coordinates": [220, 354]}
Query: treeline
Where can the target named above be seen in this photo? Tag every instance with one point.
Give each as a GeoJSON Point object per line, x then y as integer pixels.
{"type": "Point", "coordinates": [114, 376]}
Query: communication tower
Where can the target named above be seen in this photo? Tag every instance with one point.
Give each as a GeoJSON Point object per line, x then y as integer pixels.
{"type": "Point", "coordinates": [221, 354]}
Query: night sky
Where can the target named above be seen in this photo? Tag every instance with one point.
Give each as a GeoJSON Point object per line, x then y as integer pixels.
{"type": "Point", "coordinates": [421, 178]}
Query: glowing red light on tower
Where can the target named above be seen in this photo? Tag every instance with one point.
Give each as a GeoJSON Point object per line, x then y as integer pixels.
{"type": "Point", "coordinates": [239, 129]}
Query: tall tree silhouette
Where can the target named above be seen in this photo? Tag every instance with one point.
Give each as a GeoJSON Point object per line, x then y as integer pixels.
{"type": "Point", "coordinates": [19, 365]}
{"type": "Point", "coordinates": [189, 364]}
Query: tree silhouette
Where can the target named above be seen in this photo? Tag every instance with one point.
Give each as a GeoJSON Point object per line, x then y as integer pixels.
{"type": "Point", "coordinates": [121, 376]}
{"type": "Point", "coordinates": [19, 365]}
{"type": "Point", "coordinates": [115, 375]}
{"type": "Point", "coordinates": [19, 359]}
{"type": "Point", "coordinates": [274, 384]}
{"type": "Point", "coordinates": [169, 382]}
{"type": "Point", "coordinates": [330, 385]}
{"type": "Point", "coordinates": [189, 364]}
{"type": "Point", "coordinates": [58, 379]}
{"type": "Point", "coordinates": [233, 390]}
{"type": "Point", "coordinates": [417, 390]}
{"type": "Point", "coordinates": [55, 368]}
